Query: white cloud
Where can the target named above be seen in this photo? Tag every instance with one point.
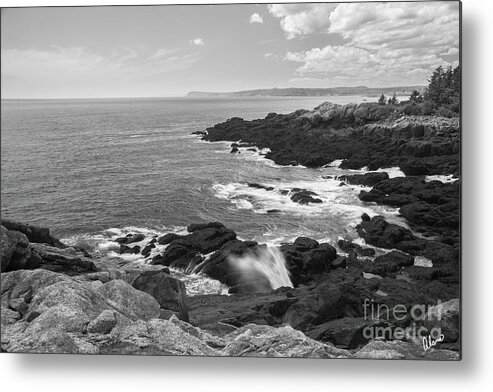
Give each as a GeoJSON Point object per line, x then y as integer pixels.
{"type": "Point", "coordinates": [197, 41]}
{"type": "Point", "coordinates": [58, 64]}
{"type": "Point", "coordinates": [385, 43]}
{"type": "Point", "coordinates": [302, 19]}
{"type": "Point", "coordinates": [256, 18]}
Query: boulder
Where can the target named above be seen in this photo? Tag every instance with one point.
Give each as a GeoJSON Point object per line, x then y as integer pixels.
{"type": "Point", "coordinates": [305, 197]}
{"type": "Point", "coordinates": [346, 332]}
{"type": "Point", "coordinates": [390, 262]}
{"type": "Point", "coordinates": [66, 260]}
{"type": "Point", "coordinates": [302, 244]}
{"type": "Point", "coordinates": [378, 232]}
{"type": "Point", "coordinates": [318, 261]}
{"type": "Point", "coordinates": [16, 251]}
{"type": "Point", "coordinates": [104, 323]}
{"type": "Point", "coordinates": [143, 305]}
{"type": "Point", "coordinates": [168, 238]}
{"type": "Point", "coordinates": [169, 292]}
{"type": "Point", "coordinates": [33, 233]}
{"type": "Point", "coordinates": [130, 239]}
{"type": "Point", "coordinates": [348, 246]}
{"type": "Point", "coordinates": [286, 342]}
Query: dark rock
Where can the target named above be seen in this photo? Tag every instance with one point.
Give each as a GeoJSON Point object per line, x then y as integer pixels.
{"type": "Point", "coordinates": [147, 249]}
{"type": "Point", "coordinates": [168, 238]}
{"type": "Point", "coordinates": [379, 232]}
{"type": "Point", "coordinates": [34, 234]}
{"type": "Point", "coordinates": [305, 197]}
{"type": "Point", "coordinates": [172, 253]}
{"type": "Point", "coordinates": [346, 332]}
{"type": "Point", "coordinates": [127, 249]}
{"type": "Point", "coordinates": [347, 246]}
{"type": "Point", "coordinates": [340, 262]}
{"type": "Point", "coordinates": [169, 292]}
{"type": "Point", "coordinates": [218, 265]}
{"type": "Point", "coordinates": [390, 262]}
{"type": "Point", "coordinates": [16, 251]}
{"type": "Point", "coordinates": [202, 226]}
{"type": "Point", "coordinates": [303, 244]}
{"type": "Point", "coordinates": [130, 239]}
{"type": "Point", "coordinates": [65, 260]}
{"type": "Point", "coordinates": [260, 186]}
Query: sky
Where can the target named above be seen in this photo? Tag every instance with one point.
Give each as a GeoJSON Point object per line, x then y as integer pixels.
{"type": "Point", "coordinates": [169, 50]}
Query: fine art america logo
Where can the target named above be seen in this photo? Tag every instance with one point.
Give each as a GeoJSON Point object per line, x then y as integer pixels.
{"type": "Point", "coordinates": [424, 325]}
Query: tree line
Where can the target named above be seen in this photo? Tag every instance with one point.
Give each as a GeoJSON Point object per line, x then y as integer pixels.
{"type": "Point", "coordinates": [441, 97]}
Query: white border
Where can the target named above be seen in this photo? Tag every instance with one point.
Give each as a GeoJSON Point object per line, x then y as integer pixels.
{"type": "Point", "coordinates": [139, 374]}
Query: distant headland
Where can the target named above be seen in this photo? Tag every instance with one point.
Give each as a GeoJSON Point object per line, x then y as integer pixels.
{"type": "Point", "coordinates": [310, 92]}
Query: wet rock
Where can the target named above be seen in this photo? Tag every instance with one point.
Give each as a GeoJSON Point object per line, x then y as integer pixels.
{"type": "Point", "coordinates": [148, 249]}
{"type": "Point", "coordinates": [131, 250]}
{"type": "Point", "coordinates": [318, 261]}
{"type": "Point", "coordinates": [202, 226]}
{"type": "Point", "coordinates": [305, 197]}
{"type": "Point", "coordinates": [340, 262]}
{"type": "Point", "coordinates": [348, 246]}
{"type": "Point", "coordinates": [260, 186]}
{"type": "Point", "coordinates": [390, 262]}
{"type": "Point", "coordinates": [130, 239]}
{"type": "Point", "coordinates": [168, 238]}
{"type": "Point", "coordinates": [379, 232]}
{"type": "Point", "coordinates": [303, 244]}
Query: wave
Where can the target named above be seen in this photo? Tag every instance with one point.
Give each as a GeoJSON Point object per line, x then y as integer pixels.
{"type": "Point", "coordinates": [336, 199]}
{"type": "Point", "coordinates": [266, 262]}
{"type": "Point", "coordinates": [102, 244]}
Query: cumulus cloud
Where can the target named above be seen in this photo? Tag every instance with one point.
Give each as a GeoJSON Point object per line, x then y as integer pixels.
{"type": "Point", "coordinates": [385, 43]}
{"type": "Point", "coordinates": [302, 19]}
{"type": "Point", "coordinates": [197, 41]}
{"type": "Point", "coordinates": [256, 18]}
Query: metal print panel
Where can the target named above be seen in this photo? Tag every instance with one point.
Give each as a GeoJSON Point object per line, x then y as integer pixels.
{"type": "Point", "coordinates": [266, 180]}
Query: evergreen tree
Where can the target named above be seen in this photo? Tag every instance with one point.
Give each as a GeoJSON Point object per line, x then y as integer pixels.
{"type": "Point", "coordinates": [393, 100]}
{"type": "Point", "coordinates": [416, 97]}
{"type": "Point", "coordinates": [381, 100]}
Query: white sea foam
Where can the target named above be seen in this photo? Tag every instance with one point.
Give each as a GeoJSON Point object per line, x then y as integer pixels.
{"type": "Point", "coordinates": [445, 179]}
{"type": "Point", "coordinates": [421, 261]}
{"type": "Point", "coordinates": [392, 172]}
{"type": "Point", "coordinates": [335, 163]}
{"type": "Point", "coordinates": [335, 199]}
{"type": "Point", "coordinates": [268, 262]}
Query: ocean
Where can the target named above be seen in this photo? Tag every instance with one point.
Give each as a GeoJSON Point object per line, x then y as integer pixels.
{"type": "Point", "coordinates": [91, 170]}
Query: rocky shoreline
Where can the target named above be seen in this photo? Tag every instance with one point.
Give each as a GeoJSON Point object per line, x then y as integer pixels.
{"type": "Point", "coordinates": [57, 298]}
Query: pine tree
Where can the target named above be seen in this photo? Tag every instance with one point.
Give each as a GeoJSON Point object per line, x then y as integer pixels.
{"type": "Point", "coordinates": [416, 97]}
{"type": "Point", "coordinates": [381, 100]}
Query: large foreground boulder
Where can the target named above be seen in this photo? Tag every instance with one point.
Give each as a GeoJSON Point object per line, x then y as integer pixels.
{"type": "Point", "coordinates": [36, 234]}
{"type": "Point", "coordinates": [16, 252]}
{"type": "Point", "coordinates": [169, 292]}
